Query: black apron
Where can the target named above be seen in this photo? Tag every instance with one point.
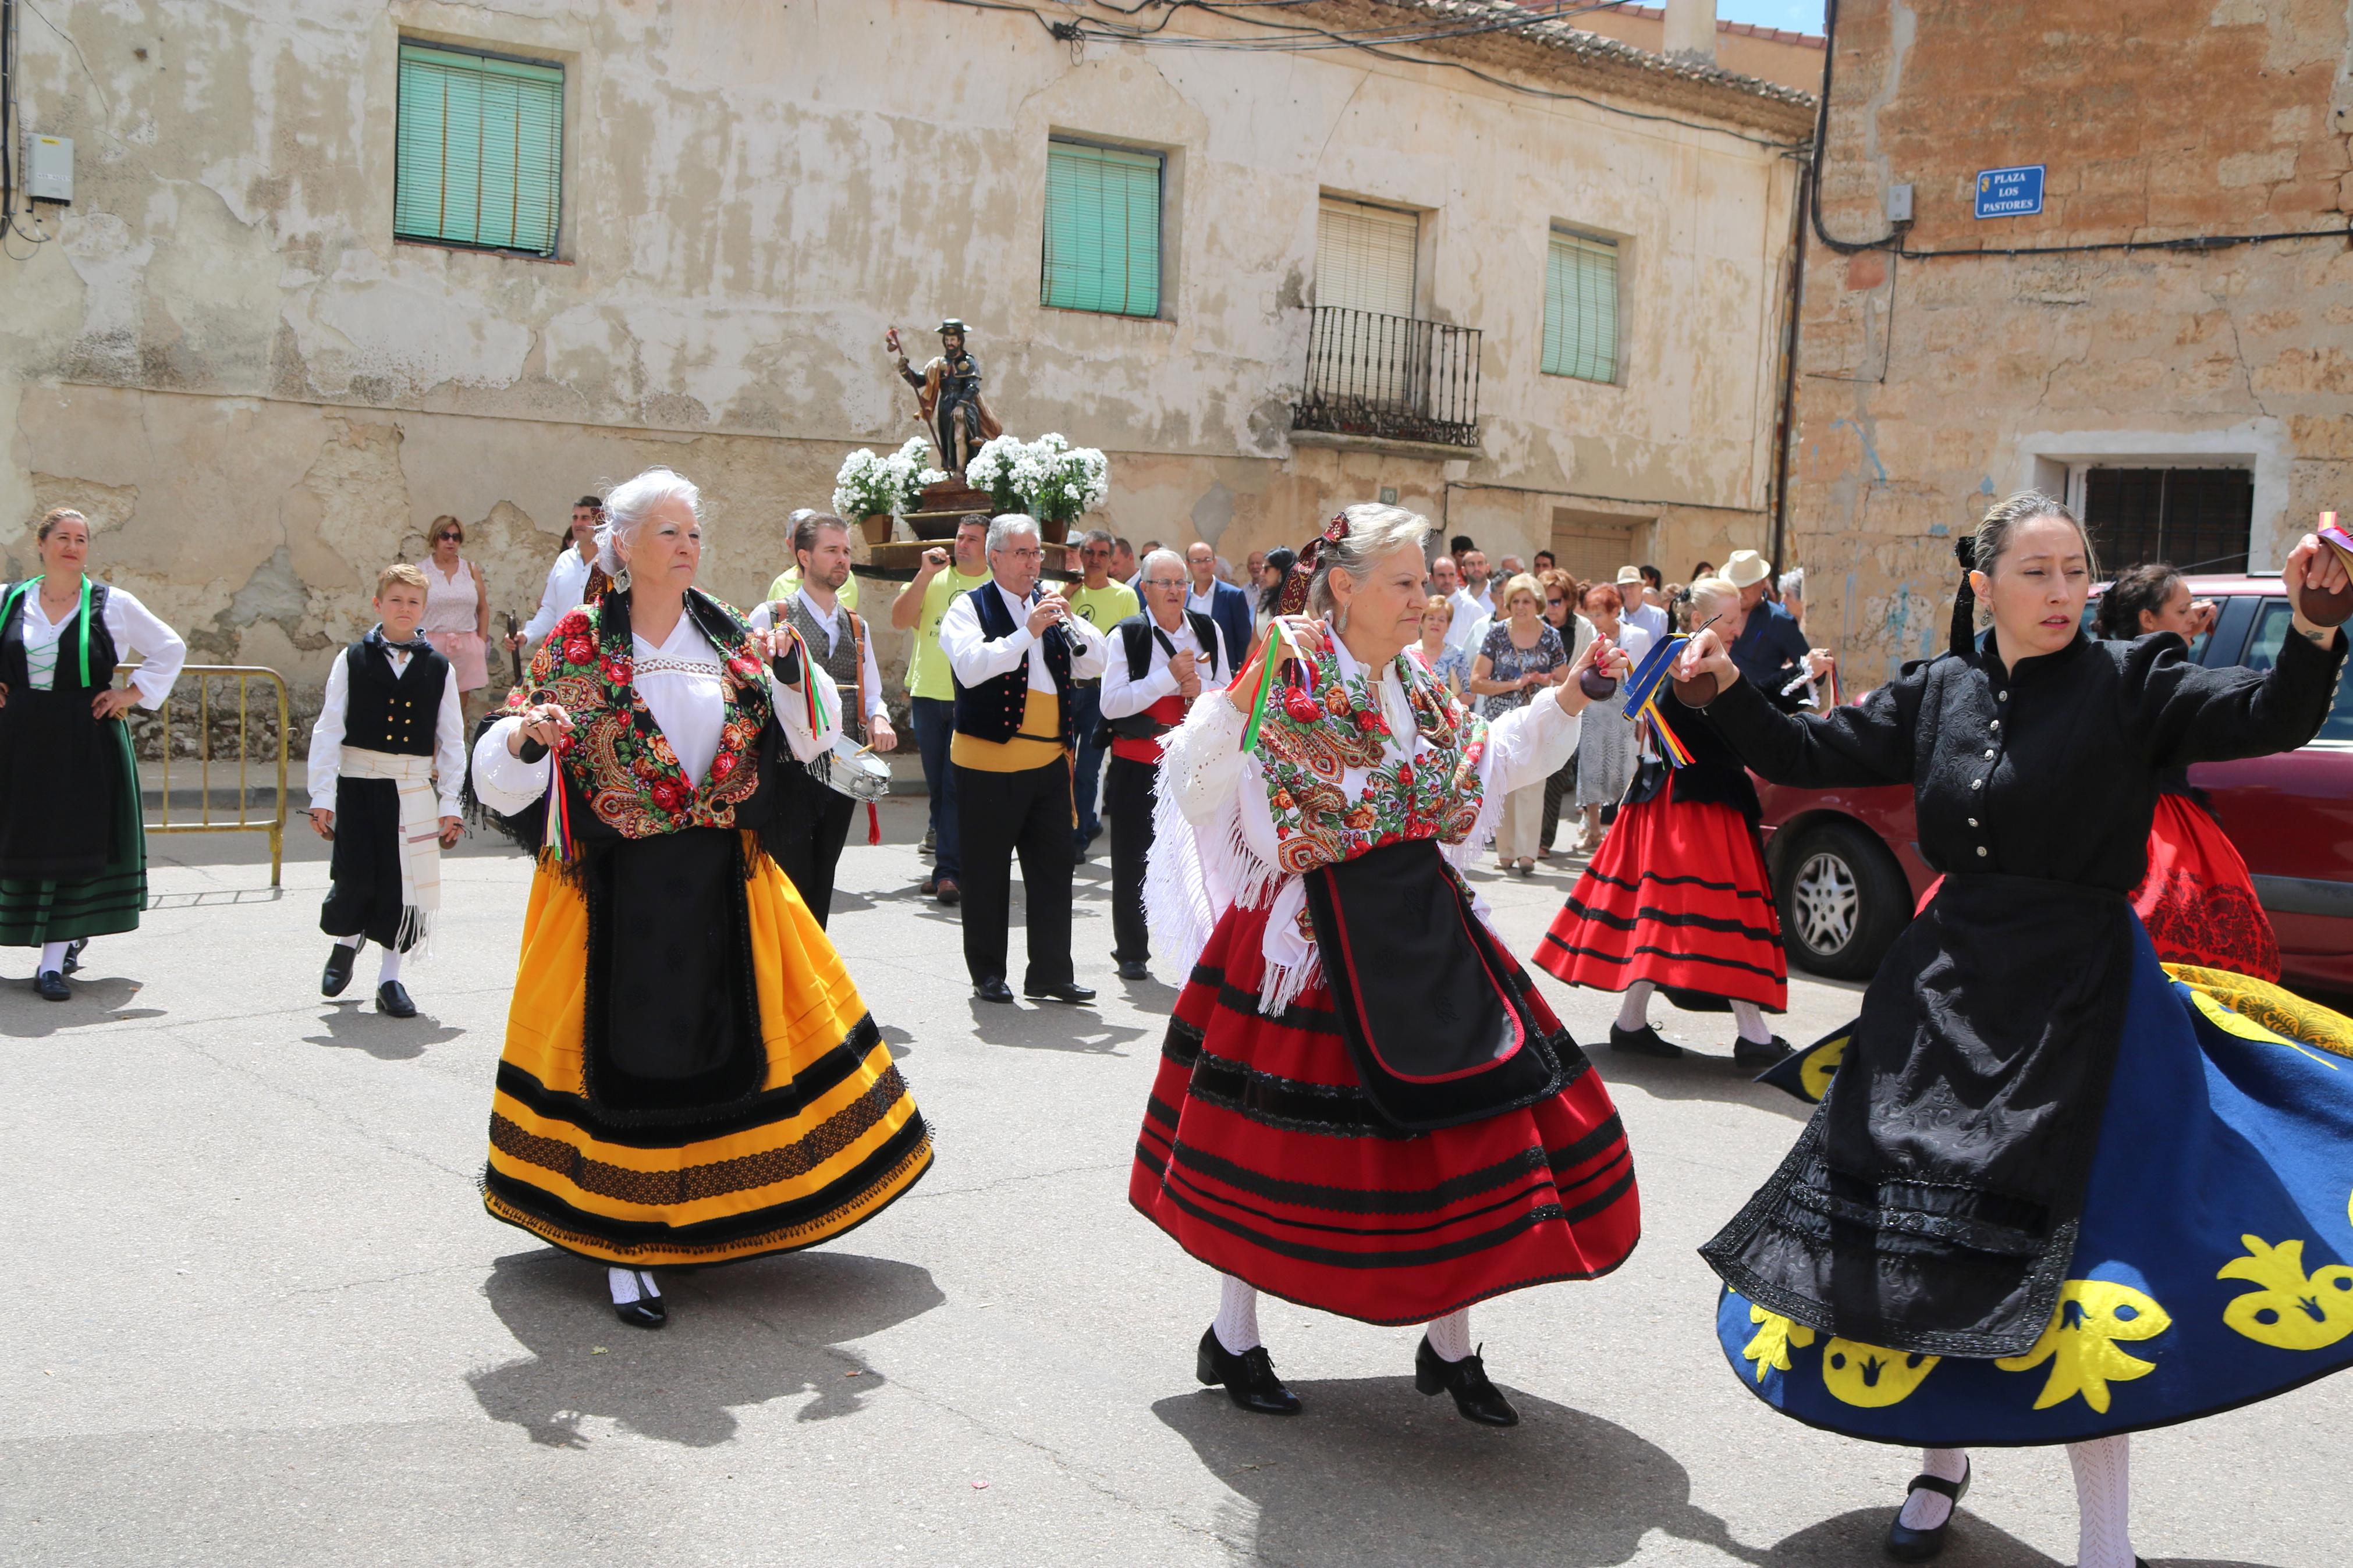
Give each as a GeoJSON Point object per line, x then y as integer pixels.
{"type": "Point", "coordinates": [60, 768]}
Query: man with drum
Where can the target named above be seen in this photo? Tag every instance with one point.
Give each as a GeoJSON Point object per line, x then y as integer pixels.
{"type": "Point", "coordinates": [817, 823]}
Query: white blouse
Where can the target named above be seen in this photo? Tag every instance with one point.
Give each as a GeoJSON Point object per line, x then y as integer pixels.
{"type": "Point", "coordinates": [684, 688]}
{"type": "Point", "coordinates": [136, 633]}
{"type": "Point", "coordinates": [567, 585]}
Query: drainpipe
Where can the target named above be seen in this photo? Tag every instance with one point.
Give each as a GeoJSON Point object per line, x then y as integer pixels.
{"type": "Point", "coordinates": [1691, 32]}
{"type": "Point", "coordinates": [1784, 423]}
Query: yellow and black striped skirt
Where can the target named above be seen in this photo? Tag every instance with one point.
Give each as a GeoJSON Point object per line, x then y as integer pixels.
{"type": "Point", "coordinates": [819, 1134]}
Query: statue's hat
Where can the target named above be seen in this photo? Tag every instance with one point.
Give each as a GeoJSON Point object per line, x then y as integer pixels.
{"type": "Point", "coordinates": [953, 325]}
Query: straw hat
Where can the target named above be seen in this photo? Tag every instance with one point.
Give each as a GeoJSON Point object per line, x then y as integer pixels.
{"type": "Point", "coordinates": [1630, 574]}
{"type": "Point", "coordinates": [1746, 569]}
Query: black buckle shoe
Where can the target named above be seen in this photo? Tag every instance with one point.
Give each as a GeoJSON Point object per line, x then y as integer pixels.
{"type": "Point", "coordinates": [1642, 1042]}
{"type": "Point", "coordinates": [51, 985]}
{"type": "Point", "coordinates": [392, 1001]}
{"type": "Point", "coordinates": [1478, 1399]}
{"type": "Point", "coordinates": [1249, 1377]}
{"type": "Point", "coordinates": [338, 973]}
{"type": "Point", "coordinates": [992, 990]}
{"type": "Point", "coordinates": [73, 953]}
{"type": "Point", "coordinates": [645, 1312]}
{"type": "Point", "coordinates": [1135, 969]}
{"type": "Point", "coordinates": [1061, 991]}
{"type": "Point", "coordinates": [1749, 1053]}
{"type": "Point", "coordinates": [1906, 1544]}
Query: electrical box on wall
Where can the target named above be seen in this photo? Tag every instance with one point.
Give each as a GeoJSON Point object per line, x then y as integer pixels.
{"type": "Point", "coordinates": [49, 169]}
{"type": "Point", "coordinates": [1899, 204]}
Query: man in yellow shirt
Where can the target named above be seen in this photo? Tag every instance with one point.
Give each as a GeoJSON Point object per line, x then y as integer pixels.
{"type": "Point", "coordinates": [918, 609]}
{"type": "Point", "coordinates": [1103, 602]}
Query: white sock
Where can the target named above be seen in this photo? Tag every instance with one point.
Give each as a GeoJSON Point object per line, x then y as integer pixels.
{"type": "Point", "coordinates": [624, 1282]}
{"type": "Point", "coordinates": [2102, 1502]}
{"type": "Point", "coordinates": [352, 940]}
{"type": "Point", "coordinates": [1635, 1011]}
{"type": "Point", "coordinates": [1449, 1336]}
{"type": "Point", "coordinates": [646, 1283]}
{"type": "Point", "coordinates": [1750, 1017]}
{"type": "Point", "coordinates": [389, 970]}
{"type": "Point", "coordinates": [1236, 1325]}
{"type": "Point", "coordinates": [53, 957]}
{"type": "Point", "coordinates": [1926, 1510]}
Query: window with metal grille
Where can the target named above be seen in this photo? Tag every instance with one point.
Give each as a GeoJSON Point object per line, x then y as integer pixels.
{"type": "Point", "coordinates": [2196, 519]}
{"type": "Point", "coordinates": [1580, 330]}
{"type": "Point", "coordinates": [1103, 229]}
{"type": "Point", "coordinates": [1364, 256]}
{"type": "Point", "coordinates": [479, 155]}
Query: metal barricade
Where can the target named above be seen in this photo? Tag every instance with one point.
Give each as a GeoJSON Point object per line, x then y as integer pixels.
{"type": "Point", "coordinates": [245, 820]}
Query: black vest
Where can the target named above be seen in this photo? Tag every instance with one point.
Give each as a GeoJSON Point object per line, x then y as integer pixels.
{"type": "Point", "coordinates": [843, 662]}
{"type": "Point", "coordinates": [993, 710]}
{"type": "Point", "coordinates": [383, 714]}
{"type": "Point", "coordinates": [15, 669]}
{"type": "Point", "coordinates": [1136, 641]}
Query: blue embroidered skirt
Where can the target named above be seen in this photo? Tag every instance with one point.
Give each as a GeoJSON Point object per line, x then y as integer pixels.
{"type": "Point", "coordinates": [2215, 1262]}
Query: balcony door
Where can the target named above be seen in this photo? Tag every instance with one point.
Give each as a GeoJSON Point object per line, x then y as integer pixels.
{"type": "Point", "coordinates": [1363, 288]}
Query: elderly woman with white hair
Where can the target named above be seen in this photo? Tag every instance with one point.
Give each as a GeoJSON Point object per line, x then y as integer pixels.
{"type": "Point", "coordinates": [1363, 1103]}
{"type": "Point", "coordinates": [689, 1077]}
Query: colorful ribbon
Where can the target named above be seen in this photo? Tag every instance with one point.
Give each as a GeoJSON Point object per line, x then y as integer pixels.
{"type": "Point", "coordinates": [1269, 668]}
{"type": "Point", "coordinates": [1643, 688]}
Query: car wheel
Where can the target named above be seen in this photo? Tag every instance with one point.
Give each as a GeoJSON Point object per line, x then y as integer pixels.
{"type": "Point", "coordinates": [1842, 901]}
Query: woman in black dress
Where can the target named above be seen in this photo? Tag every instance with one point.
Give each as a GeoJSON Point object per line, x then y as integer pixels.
{"type": "Point", "coordinates": [2043, 1173]}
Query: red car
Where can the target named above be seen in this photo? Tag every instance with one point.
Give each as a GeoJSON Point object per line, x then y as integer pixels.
{"type": "Point", "coordinates": [1846, 864]}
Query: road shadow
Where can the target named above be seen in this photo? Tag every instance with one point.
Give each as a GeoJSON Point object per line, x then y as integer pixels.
{"type": "Point", "coordinates": [902, 1043]}
{"type": "Point", "coordinates": [738, 1335]}
{"type": "Point", "coordinates": [1373, 1474]}
{"type": "Point", "coordinates": [1694, 1076]}
{"type": "Point", "coordinates": [24, 1016]}
{"type": "Point", "coordinates": [356, 1026]}
{"type": "Point", "coordinates": [1048, 1027]}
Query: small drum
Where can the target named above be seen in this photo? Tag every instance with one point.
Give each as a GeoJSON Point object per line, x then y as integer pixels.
{"type": "Point", "coordinates": [851, 769]}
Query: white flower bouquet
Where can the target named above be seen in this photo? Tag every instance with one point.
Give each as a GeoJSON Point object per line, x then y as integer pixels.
{"type": "Point", "coordinates": [868, 485]}
{"type": "Point", "coordinates": [1048, 478]}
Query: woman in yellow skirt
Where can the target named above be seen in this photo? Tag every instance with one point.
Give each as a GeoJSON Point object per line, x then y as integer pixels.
{"type": "Point", "coordinates": [689, 1077]}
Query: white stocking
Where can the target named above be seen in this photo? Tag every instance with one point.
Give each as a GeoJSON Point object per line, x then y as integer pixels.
{"type": "Point", "coordinates": [352, 940]}
{"type": "Point", "coordinates": [1750, 1017]}
{"type": "Point", "coordinates": [1925, 1510]}
{"type": "Point", "coordinates": [646, 1283]}
{"type": "Point", "coordinates": [1236, 1325]}
{"type": "Point", "coordinates": [1449, 1336]}
{"type": "Point", "coordinates": [624, 1282]}
{"type": "Point", "coordinates": [1635, 1011]}
{"type": "Point", "coordinates": [53, 957]}
{"type": "Point", "coordinates": [2104, 1502]}
{"type": "Point", "coordinates": [388, 970]}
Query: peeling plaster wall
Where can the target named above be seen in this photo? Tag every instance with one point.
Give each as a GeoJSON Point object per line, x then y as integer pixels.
{"type": "Point", "coordinates": [259, 397]}
{"type": "Point", "coordinates": [1930, 386]}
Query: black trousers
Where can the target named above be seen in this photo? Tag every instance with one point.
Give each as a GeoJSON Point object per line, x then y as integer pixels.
{"type": "Point", "coordinates": [999, 815]}
{"type": "Point", "coordinates": [817, 827]}
{"type": "Point", "coordinates": [1127, 802]}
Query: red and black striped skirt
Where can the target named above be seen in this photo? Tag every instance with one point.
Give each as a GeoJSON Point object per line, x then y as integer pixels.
{"type": "Point", "coordinates": [1677, 894]}
{"type": "Point", "coordinates": [1262, 1157]}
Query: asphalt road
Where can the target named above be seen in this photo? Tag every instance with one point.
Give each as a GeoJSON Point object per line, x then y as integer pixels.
{"type": "Point", "coordinates": [257, 1315]}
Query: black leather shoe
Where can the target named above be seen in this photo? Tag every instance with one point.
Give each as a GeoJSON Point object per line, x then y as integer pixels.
{"type": "Point", "coordinates": [1642, 1042]}
{"type": "Point", "coordinates": [73, 953]}
{"type": "Point", "coordinates": [947, 893]}
{"type": "Point", "coordinates": [1751, 1053]}
{"type": "Point", "coordinates": [1135, 969]}
{"type": "Point", "coordinates": [1061, 991]}
{"type": "Point", "coordinates": [51, 984]}
{"type": "Point", "coordinates": [1249, 1377]}
{"type": "Point", "coordinates": [338, 973]}
{"type": "Point", "coordinates": [992, 990]}
{"type": "Point", "coordinates": [1906, 1544]}
{"type": "Point", "coordinates": [645, 1312]}
{"type": "Point", "coordinates": [392, 1001]}
{"type": "Point", "coordinates": [1474, 1397]}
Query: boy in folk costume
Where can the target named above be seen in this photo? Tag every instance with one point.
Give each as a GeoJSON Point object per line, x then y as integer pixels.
{"type": "Point", "coordinates": [389, 724]}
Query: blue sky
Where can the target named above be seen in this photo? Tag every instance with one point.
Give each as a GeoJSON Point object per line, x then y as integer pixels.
{"type": "Point", "coordinates": [1797, 15]}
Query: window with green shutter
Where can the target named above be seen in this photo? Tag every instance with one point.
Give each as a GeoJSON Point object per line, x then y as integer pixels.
{"type": "Point", "coordinates": [1103, 229]}
{"type": "Point", "coordinates": [480, 158]}
{"type": "Point", "coordinates": [1581, 328]}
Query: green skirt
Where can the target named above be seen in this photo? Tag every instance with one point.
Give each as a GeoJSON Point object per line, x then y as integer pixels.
{"type": "Point", "coordinates": [38, 909]}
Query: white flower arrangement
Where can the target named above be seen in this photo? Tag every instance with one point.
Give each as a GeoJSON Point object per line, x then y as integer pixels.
{"type": "Point", "coordinates": [868, 484]}
{"type": "Point", "coordinates": [1048, 478]}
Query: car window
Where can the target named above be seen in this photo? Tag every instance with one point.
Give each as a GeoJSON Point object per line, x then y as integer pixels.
{"type": "Point", "coordinates": [2262, 651]}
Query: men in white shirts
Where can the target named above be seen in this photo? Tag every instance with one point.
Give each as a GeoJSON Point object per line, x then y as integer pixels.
{"type": "Point", "coordinates": [1160, 662]}
{"type": "Point", "coordinates": [567, 579]}
{"type": "Point", "coordinates": [1638, 611]}
{"type": "Point", "coordinates": [1471, 600]}
{"type": "Point", "coordinates": [1443, 578]}
{"type": "Point", "coordinates": [815, 821]}
{"type": "Point", "coordinates": [1014, 659]}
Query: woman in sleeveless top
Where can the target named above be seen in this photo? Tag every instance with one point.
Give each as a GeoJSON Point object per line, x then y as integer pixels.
{"type": "Point", "coordinates": [456, 611]}
{"type": "Point", "coordinates": [73, 856]}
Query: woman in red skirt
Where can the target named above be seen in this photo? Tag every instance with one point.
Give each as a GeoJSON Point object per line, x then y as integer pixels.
{"type": "Point", "coordinates": [1363, 1104]}
{"type": "Point", "coordinates": [2197, 901]}
{"type": "Point", "coordinates": [1677, 896]}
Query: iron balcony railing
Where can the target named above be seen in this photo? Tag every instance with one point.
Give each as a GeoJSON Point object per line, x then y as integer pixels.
{"type": "Point", "coordinates": [1395, 377]}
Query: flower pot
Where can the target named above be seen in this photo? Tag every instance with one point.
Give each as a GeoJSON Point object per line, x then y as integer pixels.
{"type": "Point", "coordinates": [876, 526]}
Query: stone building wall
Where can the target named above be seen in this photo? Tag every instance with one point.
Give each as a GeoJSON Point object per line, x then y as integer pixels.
{"type": "Point", "coordinates": [259, 397]}
{"type": "Point", "coordinates": [1932, 385]}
